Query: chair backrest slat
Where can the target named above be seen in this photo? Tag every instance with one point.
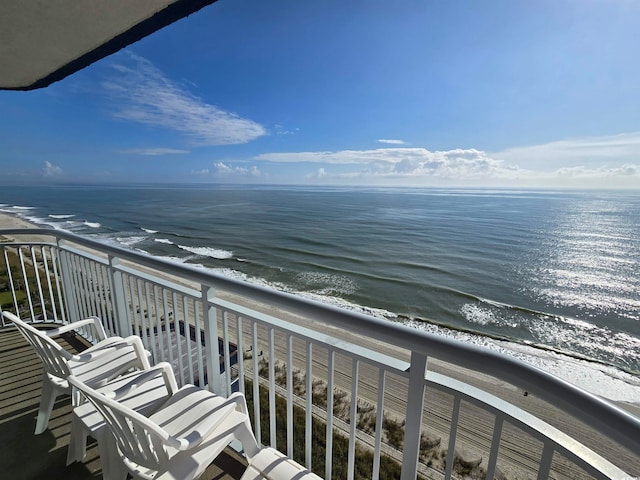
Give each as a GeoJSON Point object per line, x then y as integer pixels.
{"type": "Point", "coordinates": [140, 441]}
{"type": "Point", "coordinates": [52, 355]}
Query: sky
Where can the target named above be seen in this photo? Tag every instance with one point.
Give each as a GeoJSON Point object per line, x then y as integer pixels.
{"type": "Point", "coordinates": [500, 93]}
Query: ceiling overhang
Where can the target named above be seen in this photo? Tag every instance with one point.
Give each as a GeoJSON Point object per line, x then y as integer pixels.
{"type": "Point", "coordinates": [43, 41]}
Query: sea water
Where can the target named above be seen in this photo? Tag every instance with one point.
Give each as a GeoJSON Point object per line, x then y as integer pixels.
{"type": "Point", "coordinates": [551, 277]}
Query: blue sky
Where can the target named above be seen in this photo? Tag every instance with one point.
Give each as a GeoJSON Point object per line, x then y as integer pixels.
{"type": "Point", "coordinates": [420, 93]}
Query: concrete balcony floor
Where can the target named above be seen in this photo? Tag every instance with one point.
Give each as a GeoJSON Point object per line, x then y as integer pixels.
{"type": "Point", "coordinates": [26, 456]}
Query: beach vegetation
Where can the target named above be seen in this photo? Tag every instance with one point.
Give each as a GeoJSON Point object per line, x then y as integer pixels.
{"type": "Point", "coordinates": [389, 468]}
{"type": "Point", "coordinates": [6, 299]}
{"type": "Point", "coordinates": [432, 455]}
{"type": "Point", "coordinates": [22, 279]}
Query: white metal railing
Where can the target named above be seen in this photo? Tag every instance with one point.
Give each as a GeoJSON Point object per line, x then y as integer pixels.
{"type": "Point", "coordinates": [321, 378]}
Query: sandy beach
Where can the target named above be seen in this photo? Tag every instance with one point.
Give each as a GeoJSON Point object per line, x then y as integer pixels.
{"type": "Point", "coordinates": [437, 405]}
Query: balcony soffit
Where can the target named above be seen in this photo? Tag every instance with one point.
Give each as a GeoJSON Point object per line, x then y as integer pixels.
{"type": "Point", "coordinates": [43, 41]}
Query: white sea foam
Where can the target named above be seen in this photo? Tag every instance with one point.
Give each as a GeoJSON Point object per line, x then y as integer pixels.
{"type": "Point", "coordinates": [608, 382]}
{"type": "Point", "coordinates": [163, 240]}
{"type": "Point", "coordinates": [92, 224]}
{"type": "Point", "coordinates": [208, 252]}
{"type": "Point", "coordinates": [61, 217]}
{"type": "Point", "coordinates": [129, 241]}
{"type": "Point", "coordinates": [172, 259]}
{"type": "Point", "coordinates": [148, 230]}
{"type": "Point", "coordinates": [475, 314]}
{"type": "Point", "coordinates": [18, 207]}
{"type": "Point", "coordinates": [328, 284]}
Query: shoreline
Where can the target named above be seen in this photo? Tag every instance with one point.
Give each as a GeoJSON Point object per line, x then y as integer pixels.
{"type": "Point", "coordinates": [12, 220]}
{"type": "Point", "coordinates": [500, 389]}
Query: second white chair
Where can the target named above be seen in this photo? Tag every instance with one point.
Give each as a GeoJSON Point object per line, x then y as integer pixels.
{"type": "Point", "coordinates": [104, 361]}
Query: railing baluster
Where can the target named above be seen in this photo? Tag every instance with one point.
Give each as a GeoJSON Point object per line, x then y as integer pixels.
{"type": "Point", "coordinates": [216, 384]}
{"type": "Point", "coordinates": [240, 354]}
{"type": "Point", "coordinates": [415, 403]}
{"type": "Point", "coordinates": [176, 326]}
{"type": "Point", "coordinates": [196, 313]}
{"type": "Point", "coordinates": [225, 345]}
{"type": "Point", "coordinates": [82, 286]}
{"type": "Point", "coordinates": [47, 273]}
{"type": "Point", "coordinates": [495, 447]}
{"type": "Point", "coordinates": [133, 308]}
{"type": "Point", "coordinates": [329, 432]}
{"type": "Point", "coordinates": [55, 261]}
{"type": "Point", "coordinates": [453, 433]}
{"type": "Point", "coordinates": [152, 320]}
{"type": "Point", "coordinates": [101, 295]}
{"type": "Point", "coordinates": [545, 461]}
{"type": "Point", "coordinates": [13, 287]}
{"type": "Point", "coordinates": [157, 325]}
{"type": "Point", "coordinates": [26, 284]}
{"type": "Point", "coordinates": [187, 336]}
{"type": "Point", "coordinates": [379, 419]}
{"type": "Point", "coordinates": [36, 272]}
{"type": "Point", "coordinates": [167, 327]}
{"type": "Point", "coordinates": [144, 312]}
{"type": "Point", "coordinates": [256, 382]}
{"type": "Point", "coordinates": [83, 282]}
{"type": "Point", "coordinates": [272, 391]}
{"type": "Point", "coordinates": [93, 280]}
{"type": "Point", "coordinates": [290, 395]}
{"type": "Point", "coordinates": [353, 419]}
{"type": "Point", "coordinates": [309, 406]}
{"type": "Point", "coordinates": [120, 302]}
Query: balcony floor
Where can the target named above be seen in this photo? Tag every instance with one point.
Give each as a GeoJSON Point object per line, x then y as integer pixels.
{"type": "Point", "coordinates": [27, 456]}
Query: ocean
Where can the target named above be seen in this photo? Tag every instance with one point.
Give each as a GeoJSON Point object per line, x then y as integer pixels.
{"type": "Point", "coordinates": [551, 277]}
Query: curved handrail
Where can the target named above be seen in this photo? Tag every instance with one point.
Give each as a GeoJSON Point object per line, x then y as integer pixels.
{"type": "Point", "coordinates": [616, 423]}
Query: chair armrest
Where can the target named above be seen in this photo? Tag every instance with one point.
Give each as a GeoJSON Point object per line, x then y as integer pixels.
{"type": "Point", "coordinates": [91, 356]}
{"type": "Point", "coordinates": [93, 321]}
{"type": "Point", "coordinates": [144, 377]}
{"type": "Point", "coordinates": [143, 355]}
{"type": "Point", "coordinates": [132, 341]}
{"type": "Point", "coordinates": [240, 400]}
{"type": "Point", "coordinates": [204, 428]}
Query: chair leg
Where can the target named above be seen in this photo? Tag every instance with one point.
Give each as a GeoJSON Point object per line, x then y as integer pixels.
{"type": "Point", "coordinates": [113, 467]}
{"type": "Point", "coordinates": [47, 400]}
{"type": "Point", "coordinates": [244, 434]}
{"type": "Point", "coordinates": [77, 442]}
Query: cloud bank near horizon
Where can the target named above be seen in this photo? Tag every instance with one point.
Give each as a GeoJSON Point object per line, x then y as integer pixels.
{"type": "Point", "coordinates": [420, 166]}
{"type": "Point", "coordinates": [595, 152]}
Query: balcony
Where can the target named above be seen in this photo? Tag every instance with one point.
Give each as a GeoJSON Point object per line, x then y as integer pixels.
{"type": "Point", "coordinates": [347, 395]}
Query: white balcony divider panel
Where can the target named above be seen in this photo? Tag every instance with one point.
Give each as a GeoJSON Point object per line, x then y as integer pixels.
{"type": "Point", "coordinates": [186, 316]}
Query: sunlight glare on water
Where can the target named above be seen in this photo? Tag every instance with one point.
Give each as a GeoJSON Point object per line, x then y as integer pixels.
{"type": "Point", "coordinates": [590, 261]}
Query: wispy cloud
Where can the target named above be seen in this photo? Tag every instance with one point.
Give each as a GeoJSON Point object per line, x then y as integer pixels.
{"type": "Point", "coordinates": [153, 151]}
{"type": "Point", "coordinates": [389, 141]}
{"type": "Point", "coordinates": [145, 95]}
{"type": "Point", "coordinates": [51, 170]}
{"type": "Point", "coordinates": [577, 152]}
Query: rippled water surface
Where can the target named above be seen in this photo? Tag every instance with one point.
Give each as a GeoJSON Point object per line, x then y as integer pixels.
{"type": "Point", "coordinates": [561, 269]}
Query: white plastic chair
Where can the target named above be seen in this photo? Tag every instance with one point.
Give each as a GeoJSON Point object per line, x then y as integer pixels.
{"type": "Point", "coordinates": [104, 361]}
{"type": "Point", "coordinates": [181, 438]}
{"type": "Point", "coordinates": [142, 391]}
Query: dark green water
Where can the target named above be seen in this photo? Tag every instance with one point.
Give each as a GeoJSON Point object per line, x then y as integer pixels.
{"type": "Point", "coordinates": [561, 269]}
